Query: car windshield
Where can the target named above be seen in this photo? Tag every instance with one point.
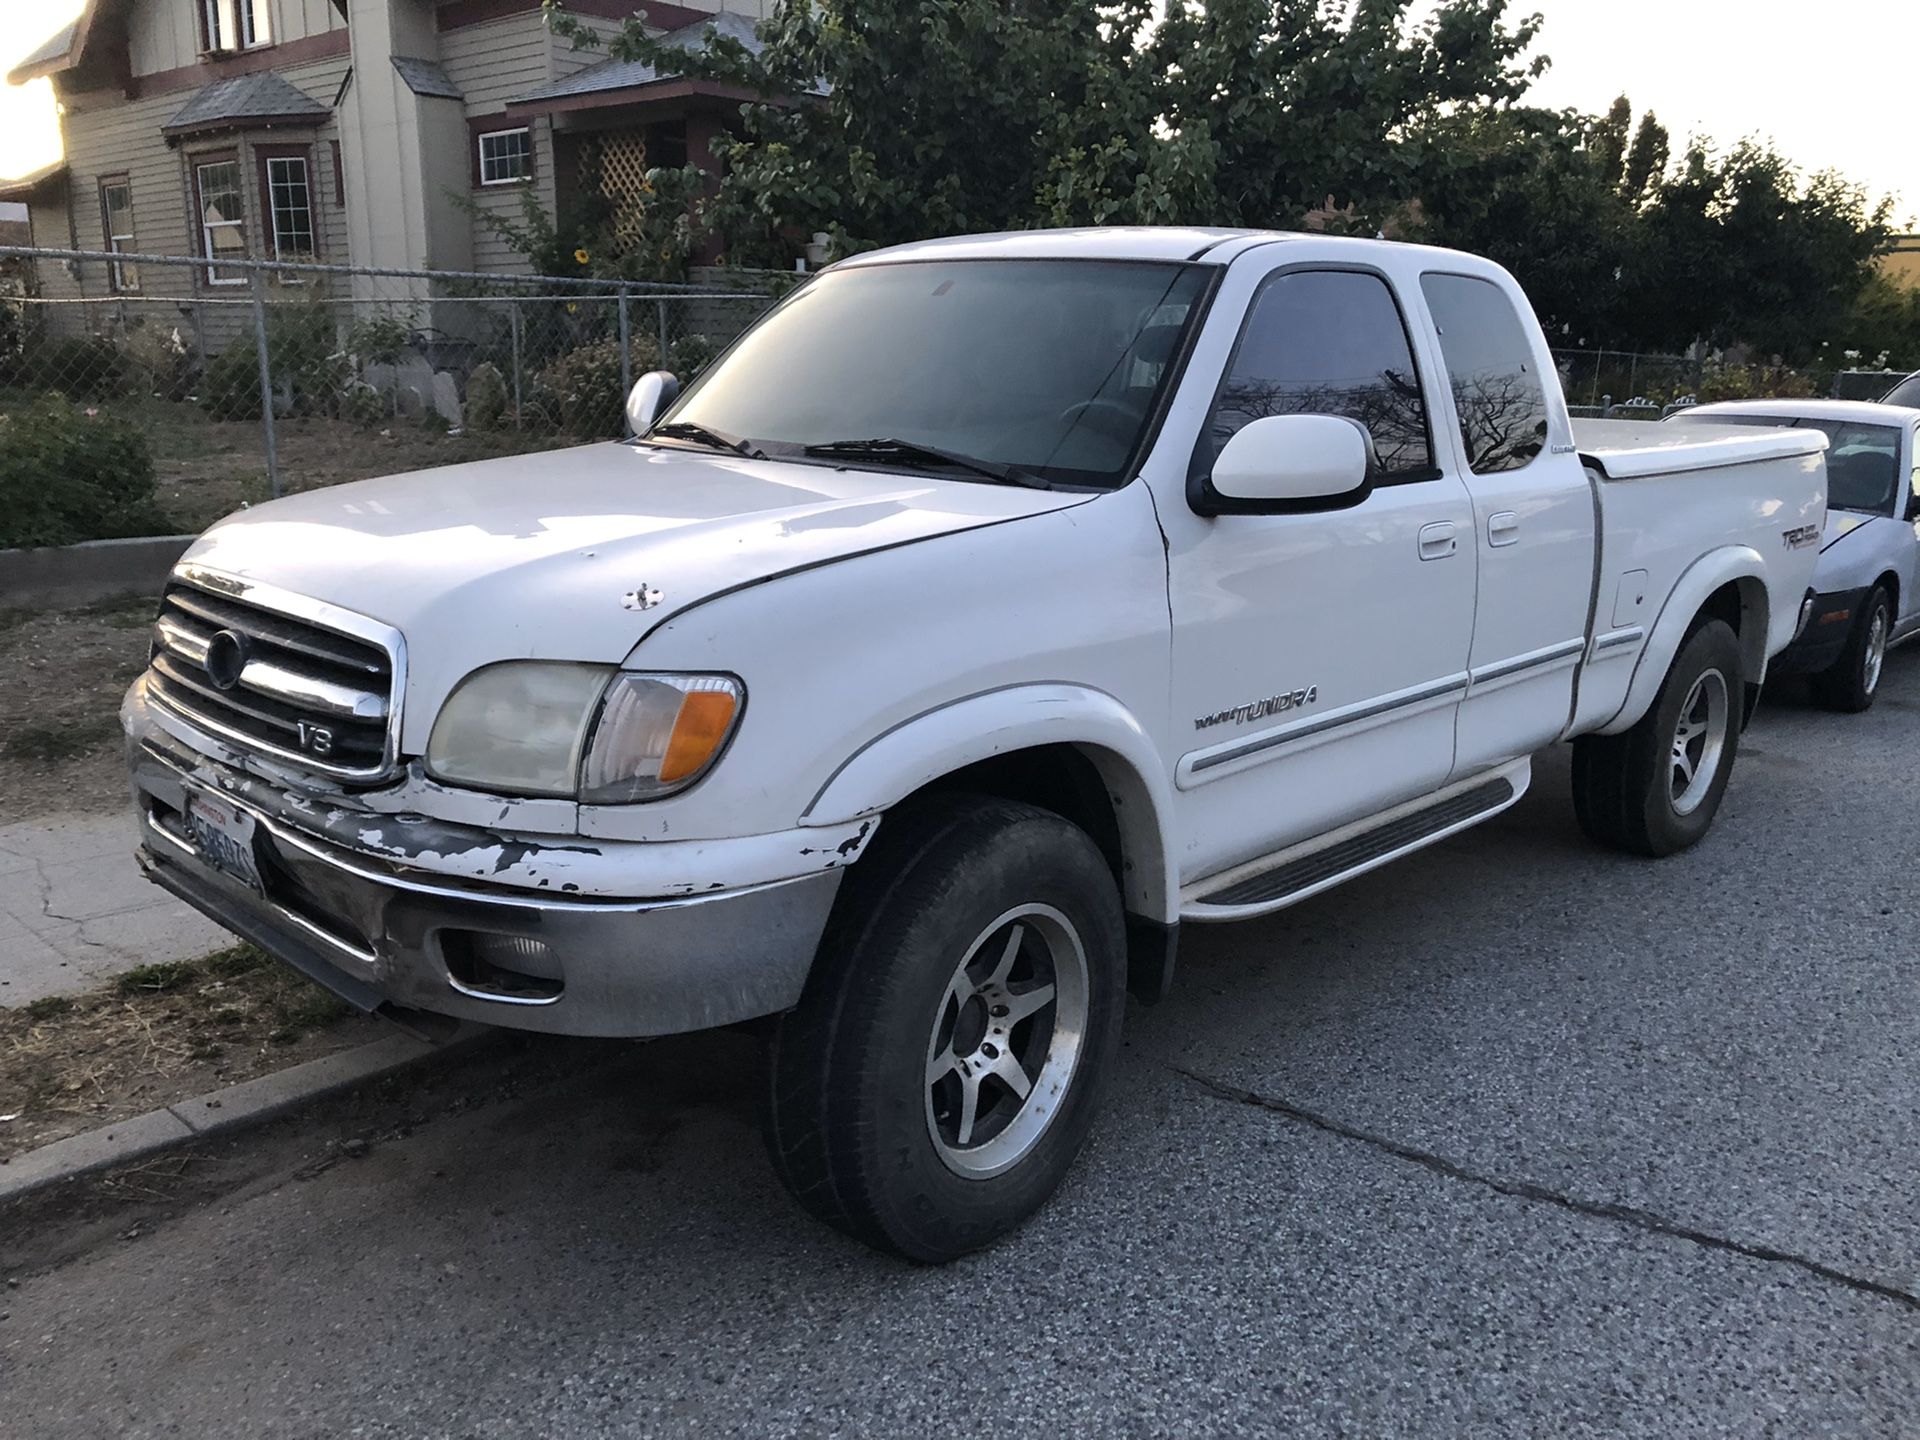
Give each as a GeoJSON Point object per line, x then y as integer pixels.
{"type": "Point", "coordinates": [1041, 369]}
{"type": "Point", "coordinates": [1907, 392]}
{"type": "Point", "coordinates": [1863, 461]}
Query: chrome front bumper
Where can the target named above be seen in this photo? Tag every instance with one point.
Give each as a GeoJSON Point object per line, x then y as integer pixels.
{"type": "Point", "coordinates": [378, 932]}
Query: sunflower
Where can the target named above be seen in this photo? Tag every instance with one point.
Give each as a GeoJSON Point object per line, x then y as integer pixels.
{"type": "Point", "coordinates": [580, 256]}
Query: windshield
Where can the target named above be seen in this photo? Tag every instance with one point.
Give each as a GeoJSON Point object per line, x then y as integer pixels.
{"type": "Point", "coordinates": [1863, 461]}
{"type": "Point", "coordinates": [1051, 367]}
{"type": "Point", "coordinates": [1907, 392]}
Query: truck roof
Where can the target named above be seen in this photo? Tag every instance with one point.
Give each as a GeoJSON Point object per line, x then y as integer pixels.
{"type": "Point", "coordinates": [1125, 242]}
{"type": "Point", "coordinates": [1864, 412]}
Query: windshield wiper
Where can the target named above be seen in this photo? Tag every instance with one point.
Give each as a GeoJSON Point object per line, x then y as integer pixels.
{"type": "Point", "coordinates": [912, 452]}
{"type": "Point", "coordinates": [706, 435]}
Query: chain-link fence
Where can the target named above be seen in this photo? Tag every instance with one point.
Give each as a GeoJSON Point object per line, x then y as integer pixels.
{"type": "Point", "coordinates": [248, 379]}
{"type": "Point", "coordinates": [1624, 384]}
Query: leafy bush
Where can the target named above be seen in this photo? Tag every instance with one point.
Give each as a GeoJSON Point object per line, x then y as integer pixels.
{"type": "Point", "coordinates": [230, 388]}
{"type": "Point", "coordinates": [364, 405]}
{"type": "Point", "coordinates": [68, 474]}
{"type": "Point", "coordinates": [690, 355]}
{"type": "Point", "coordinates": [488, 403]}
{"type": "Point", "coordinates": [583, 388]}
{"type": "Point", "coordinates": [80, 367]}
{"type": "Point", "coordinates": [1752, 382]}
{"type": "Point", "coordinates": [308, 369]}
{"type": "Point", "coordinates": [157, 360]}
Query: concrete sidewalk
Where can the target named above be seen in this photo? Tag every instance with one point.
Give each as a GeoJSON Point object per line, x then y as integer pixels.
{"type": "Point", "coordinates": [75, 910]}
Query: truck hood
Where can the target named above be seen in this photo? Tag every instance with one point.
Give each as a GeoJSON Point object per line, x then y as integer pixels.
{"type": "Point", "coordinates": [577, 554]}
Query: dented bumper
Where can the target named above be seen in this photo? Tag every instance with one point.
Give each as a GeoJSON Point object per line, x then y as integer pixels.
{"type": "Point", "coordinates": [534, 951]}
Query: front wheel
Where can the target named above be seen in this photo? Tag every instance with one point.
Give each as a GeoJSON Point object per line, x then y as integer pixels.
{"type": "Point", "coordinates": [943, 1068]}
{"type": "Point", "coordinates": [1655, 788]}
{"type": "Point", "coordinates": [1850, 683]}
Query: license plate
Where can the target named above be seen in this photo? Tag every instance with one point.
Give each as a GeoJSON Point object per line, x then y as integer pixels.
{"type": "Point", "coordinates": [223, 836]}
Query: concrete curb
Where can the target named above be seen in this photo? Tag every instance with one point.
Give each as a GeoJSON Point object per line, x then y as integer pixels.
{"type": "Point", "coordinates": [92, 570]}
{"type": "Point", "coordinates": [234, 1108]}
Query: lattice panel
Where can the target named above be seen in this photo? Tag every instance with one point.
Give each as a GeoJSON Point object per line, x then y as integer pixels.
{"type": "Point", "coordinates": [623, 179]}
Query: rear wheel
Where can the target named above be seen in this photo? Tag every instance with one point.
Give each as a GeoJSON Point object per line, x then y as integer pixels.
{"type": "Point", "coordinates": [941, 1072]}
{"type": "Point", "coordinates": [1850, 683]}
{"type": "Point", "coordinates": [1655, 788]}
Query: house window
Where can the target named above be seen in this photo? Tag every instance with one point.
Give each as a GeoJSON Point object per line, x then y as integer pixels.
{"type": "Point", "coordinates": [223, 219]}
{"type": "Point", "coordinates": [288, 205]}
{"type": "Point", "coordinates": [506, 156]}
{"type": "Point", "coordinates": [234, 25]}
{"type": "Point", "coordinates": [116, 222]}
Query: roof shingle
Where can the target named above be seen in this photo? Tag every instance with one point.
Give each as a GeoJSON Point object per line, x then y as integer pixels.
{"type": "Point", "coordinates": [263, 97]}
{"type": "Point", "coordinates": [609, 75]}
{"type": "Point", "coordinates": [425, 77]}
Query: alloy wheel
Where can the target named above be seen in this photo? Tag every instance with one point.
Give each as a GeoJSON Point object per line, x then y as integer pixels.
{"type": "Point", "coordinates": [1006, 1040]}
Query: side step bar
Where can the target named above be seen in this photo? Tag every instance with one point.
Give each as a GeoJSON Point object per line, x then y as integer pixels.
{"type": "Point", "coordinates": [1289, 876]}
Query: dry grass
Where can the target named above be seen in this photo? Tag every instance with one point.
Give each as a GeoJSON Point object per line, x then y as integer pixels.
{"type": "Point", "coordinates": [59, 710]}
{"type": "Point", "coordinates": [156, 1035]}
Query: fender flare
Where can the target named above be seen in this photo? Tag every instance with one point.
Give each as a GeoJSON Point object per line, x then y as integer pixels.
{"type": "Point", "coordinates": [937, 742]}
{"type": "Point", "coordinates": [1731, 564]}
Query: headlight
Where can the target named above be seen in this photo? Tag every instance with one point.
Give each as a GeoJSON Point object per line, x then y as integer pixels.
{"type": "Point", "coordinates": [590, 732]}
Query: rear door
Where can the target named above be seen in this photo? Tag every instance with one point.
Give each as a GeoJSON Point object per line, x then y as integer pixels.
{"type": "Point", "coordinates": [1533, 522]}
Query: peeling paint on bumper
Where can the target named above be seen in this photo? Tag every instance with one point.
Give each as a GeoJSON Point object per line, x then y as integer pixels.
{"type": "Point", "coordinates": [379, 929]}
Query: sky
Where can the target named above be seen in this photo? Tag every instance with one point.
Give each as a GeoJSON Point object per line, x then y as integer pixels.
{"type": "Point", "coordinates": [1831, 84]}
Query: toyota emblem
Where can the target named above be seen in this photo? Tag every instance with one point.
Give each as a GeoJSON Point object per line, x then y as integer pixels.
{"type": "Point", "coordinates": [226, 658]}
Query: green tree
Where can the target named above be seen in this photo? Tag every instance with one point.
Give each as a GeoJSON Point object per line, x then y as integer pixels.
{"type": "Point", "coordinates": [934, 117]}
{"type": "Point", "coordinates": [1742, 249]}
{"type": "Point", "coordinates": [1610, 140]}
{"type": "Point", "coordinates": [1646, 159]}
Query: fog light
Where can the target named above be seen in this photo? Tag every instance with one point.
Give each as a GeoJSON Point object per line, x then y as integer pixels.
{"type": "Point", "coordinates": [513, 969]}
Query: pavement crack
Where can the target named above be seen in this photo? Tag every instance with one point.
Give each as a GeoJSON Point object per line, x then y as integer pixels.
{"type": "Point", "coordinates": [1631, 1215]}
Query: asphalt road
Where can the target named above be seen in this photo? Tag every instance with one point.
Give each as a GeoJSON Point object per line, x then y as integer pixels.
{"type": "Point", "coordinates": [1514, 1138]}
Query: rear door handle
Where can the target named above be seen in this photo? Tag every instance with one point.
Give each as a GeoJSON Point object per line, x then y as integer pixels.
{"type": "Point", "coordinates": [1503, 529]}
{"type": "Point", "coordinates": [1437, 541]}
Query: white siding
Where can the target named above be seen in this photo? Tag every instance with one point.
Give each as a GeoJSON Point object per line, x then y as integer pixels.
{"type": "Point", "coordinates": [492, 64]}
{"type": "Point", "coordinates": [165, 34]}
{"type": "Point", "coordinates": [108, 136]}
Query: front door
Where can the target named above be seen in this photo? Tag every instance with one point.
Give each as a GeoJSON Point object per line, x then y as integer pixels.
{"type": "Point", "coordinates": [1533, 523]}
{"type": "Point", "coordinates": [1318, 658]}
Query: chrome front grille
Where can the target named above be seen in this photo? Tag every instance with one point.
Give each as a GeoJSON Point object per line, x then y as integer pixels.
{"type": "Point", "coordinates": [240, 662]}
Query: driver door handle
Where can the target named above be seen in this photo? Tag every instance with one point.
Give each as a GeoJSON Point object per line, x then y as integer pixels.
{"type": "Point", "coordinates": [1438, 540]}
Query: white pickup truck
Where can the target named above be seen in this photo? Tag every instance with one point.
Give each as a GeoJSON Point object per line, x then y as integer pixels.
{"type": "Point", "coordinates": [991, 609]}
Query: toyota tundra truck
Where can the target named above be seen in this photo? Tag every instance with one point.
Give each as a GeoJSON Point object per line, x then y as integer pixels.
{"type": "Point", "coordinates": [990, 611]}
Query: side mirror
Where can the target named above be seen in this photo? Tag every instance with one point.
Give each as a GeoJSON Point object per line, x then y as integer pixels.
{"type": "Point", "coordinates": [1281, 464]}
{"type": "Point", "coordinates": [651, 394]}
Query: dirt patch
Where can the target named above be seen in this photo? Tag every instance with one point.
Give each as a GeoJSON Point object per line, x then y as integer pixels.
{"type": "Point", "coordinates": [59, 710]}
{"type": "Point", "coordinates": [159, 1034]}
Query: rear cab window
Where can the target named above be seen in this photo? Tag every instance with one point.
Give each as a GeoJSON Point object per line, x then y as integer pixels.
{"type": "Point", "coordinates": [1496, 387]}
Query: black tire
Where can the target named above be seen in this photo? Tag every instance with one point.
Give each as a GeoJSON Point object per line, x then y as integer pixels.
{"type": "Point", "coordinates": [1623, 785]}
{"type": "Point", "coordinates": [1850, 683]}
{"type": "Point", "coordinates": [849, 1119]}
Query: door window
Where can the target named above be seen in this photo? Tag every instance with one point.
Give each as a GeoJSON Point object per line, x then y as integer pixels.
{"type": "Point", "coordinates": [1490, 368]}
{"type": "Point", "coordinates": [1328, 342]}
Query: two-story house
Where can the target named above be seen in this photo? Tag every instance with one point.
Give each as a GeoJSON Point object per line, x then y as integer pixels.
{"type": "Point", "coordinates": [361, 132]}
